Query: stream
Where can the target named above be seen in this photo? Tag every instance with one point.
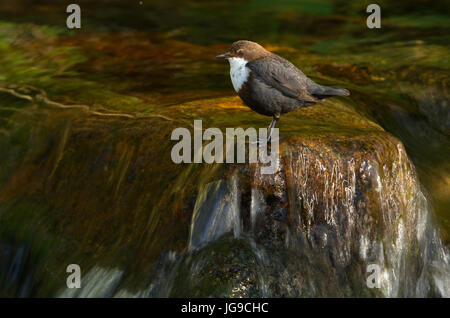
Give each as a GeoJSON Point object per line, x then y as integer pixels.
{"type": "Point", "coordinates": [86, 175]}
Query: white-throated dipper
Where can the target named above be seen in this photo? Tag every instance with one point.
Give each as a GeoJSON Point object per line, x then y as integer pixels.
{"type": "Point", "coordinates": [271, 85]}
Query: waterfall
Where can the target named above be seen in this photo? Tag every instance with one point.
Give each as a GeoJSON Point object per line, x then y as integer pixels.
{"type": "Point", "coordinates": [216, 212]}
{"type": "Point", "coordinates": [312, 229]}
{"type": "Point", "coordinates": [316, 225]}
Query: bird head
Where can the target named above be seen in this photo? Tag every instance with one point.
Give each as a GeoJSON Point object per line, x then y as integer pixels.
{"type": "Point", "coordinates": [246, 50]}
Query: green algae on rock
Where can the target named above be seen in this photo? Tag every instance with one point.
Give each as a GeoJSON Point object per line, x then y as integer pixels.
{"type": "Point", "coordinates": [80, 187]}
{"type": "Point", "coordinates": [106, 198]}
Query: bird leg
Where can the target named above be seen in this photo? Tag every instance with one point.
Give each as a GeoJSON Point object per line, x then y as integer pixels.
{"type": "Point", "coordinates": [272, 125]}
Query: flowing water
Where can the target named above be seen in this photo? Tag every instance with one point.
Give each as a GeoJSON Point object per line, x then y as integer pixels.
{"type": "Point", "coordinates": [86, 176]}
{"type": "Point", "coordinates": [323, 251]}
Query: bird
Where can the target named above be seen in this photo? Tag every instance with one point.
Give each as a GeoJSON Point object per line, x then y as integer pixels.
{"type": "Point", "coordinates": [271, 85]}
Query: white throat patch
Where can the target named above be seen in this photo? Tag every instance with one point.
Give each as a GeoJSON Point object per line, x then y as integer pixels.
{"type": "Point", "coordinates": [238, 72]}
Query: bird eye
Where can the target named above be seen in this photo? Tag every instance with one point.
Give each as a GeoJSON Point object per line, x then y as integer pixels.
{"type": "Point", "coordinates": [240, 52]}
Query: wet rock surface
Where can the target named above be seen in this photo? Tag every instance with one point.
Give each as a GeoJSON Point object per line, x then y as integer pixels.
{"type": "Point", "coordinates": [86, 175]}
{"type": "Point", "coordinates": [344, 196]}
{"type": "Point", "coordinates": [315, 226]}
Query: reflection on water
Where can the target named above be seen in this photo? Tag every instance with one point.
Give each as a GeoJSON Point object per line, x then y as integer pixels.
{"type": "Point", "coordinates": [149, 60]}
{"type": "Point", "coordinates": [309, 257]}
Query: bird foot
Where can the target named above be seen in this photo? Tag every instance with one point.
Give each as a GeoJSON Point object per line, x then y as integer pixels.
{"type": "Point", "coordinates": [259, 141]}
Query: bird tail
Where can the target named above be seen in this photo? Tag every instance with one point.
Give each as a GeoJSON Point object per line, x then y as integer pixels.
{"type": "Point", "coordinates": [341, 91]}
{"type": "Point", "coordinates": [325, 91]}
{"type": "Point", "coordinates": [330, 91]}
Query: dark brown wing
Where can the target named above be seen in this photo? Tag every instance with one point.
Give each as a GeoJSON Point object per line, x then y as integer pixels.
{"type": "Point", "coordinates": [282, 75]}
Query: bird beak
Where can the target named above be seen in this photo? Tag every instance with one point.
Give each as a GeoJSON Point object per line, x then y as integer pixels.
{"type": "Point", "coordinates": [223, 56]}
